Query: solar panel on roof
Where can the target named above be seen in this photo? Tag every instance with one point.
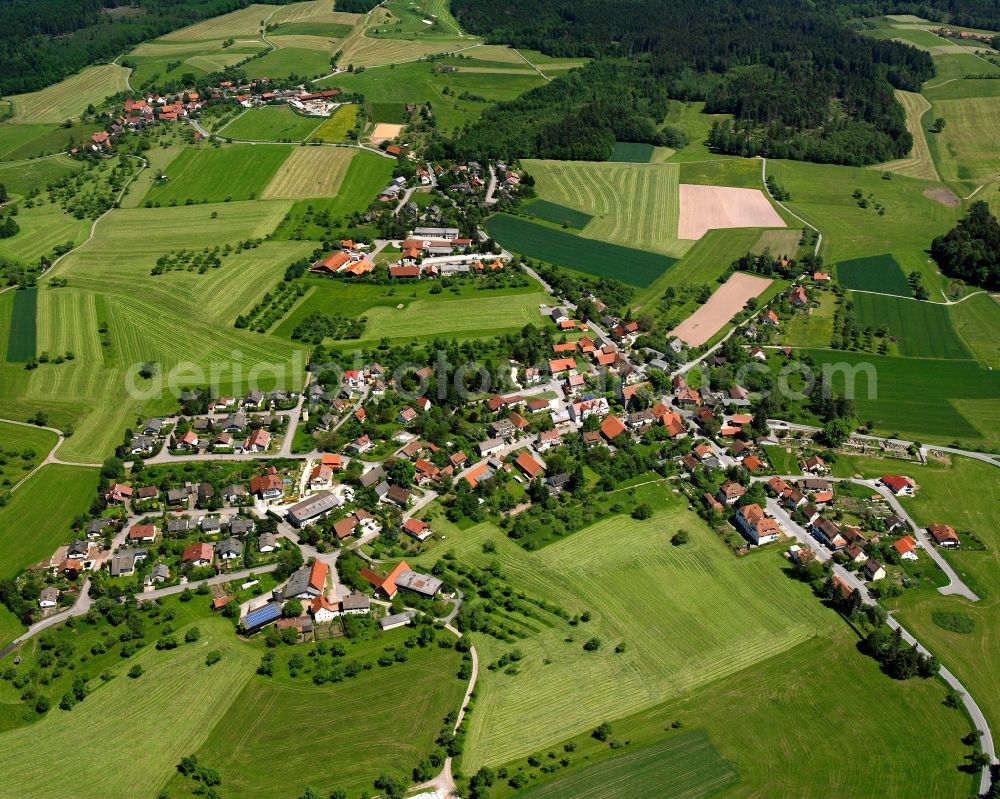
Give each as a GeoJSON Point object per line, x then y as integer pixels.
{"type": "Point", "coordinates": [255, 617]}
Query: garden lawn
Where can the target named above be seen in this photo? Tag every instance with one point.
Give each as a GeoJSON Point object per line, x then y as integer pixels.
{"type": "Point", "coordinates": [922, 329]}
{"type": "Point", "coordinates": [177, 690]}
{"type": "Point", "coordinates": [634, 205]}
{"type": "Point", "coordinates": [878, 273]}
{"type": "Point", "coordinates": [685, 766]}
{"type": "Point", "coordinates": [37, 518]}
{"type": "Point", "coordinates": [216, 174]}
{"type": "Point", "coordinates": [271, 123]}
{"type": "Point", "coordinates": [688, 615]}
{"type": "Point", "coordinates": [926, 400]}
{"type": "Point", "coordinates": [384, 720]}
{"type": "Point", "coordinates": [635, 267]}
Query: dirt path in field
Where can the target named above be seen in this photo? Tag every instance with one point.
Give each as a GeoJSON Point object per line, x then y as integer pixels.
{"type": "Point", "coordinates": [723, 305]}
{"type": "Point", "coordinates": [786, 209]}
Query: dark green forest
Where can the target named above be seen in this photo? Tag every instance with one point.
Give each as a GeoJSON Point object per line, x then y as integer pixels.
{"type": "Point", "coordinates": [960, 13]}
{"type": "Point", "coordinates": [971, 250]}
{"type": "Point", "coordinates": [798, 80]}
{"type": "Point", "coordinates": [44, 41]}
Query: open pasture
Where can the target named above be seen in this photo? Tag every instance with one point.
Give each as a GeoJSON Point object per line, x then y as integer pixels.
{"type": "Point", "coordinates": [977, 321]}
{"type": "Point", "coordinates": [20, 142]}
{"type": "Point", "coordinates": [966, 149]}
{"type": "Point", "coordinates": [878, 273]}
{"type": "Point", "coordinates": [704, 208]}
{"type": "Point", "coordinates": [217, 174]}
{"type": "Point", "coordinates": [23, 448]}
{"type": "Point", "coordinates": [682, 767]}
{"type": "Point", "coordinates": [635, 205]}
{"type": "Point", "coordinates": [635, 267]}
{"type": "Point", "coordinates": [922, 329]}
{"type": "Point", "coordinates": [823, 196]}
{"type": "Point", "coordinates": [468, 317]}
{"type": "Point", "coordinates": [69, 98]}
{"type": "Point", "coordinates": [23, 176]}
{"type": "Point", "coordinates": [311, 172]}
{"type": "Point", "coordinates": [362, 724]}
{"type": "Point", "coordinates": [177, 689]}
{"type": "Point", "coordinates": [688, 616]}
{"type": "Point", "coordinates": [723, 305]}
{"type": "Point", "coordinates": [285, 62]}
{"type": "Point", "coordinates": [271, 123]}
{"type": "Point", "coordinates": [918, 399]}
{"type": "Point", "coordinates": [335, 128]}
{"type": "Point", "coordinates": [38, 516]}
{"type": "Point", "coordinates": [778, 243]}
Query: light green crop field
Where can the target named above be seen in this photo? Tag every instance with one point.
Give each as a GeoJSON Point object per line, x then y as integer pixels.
{"type": "Point", "coordinates": [635, 205]}
{"type": "Point", "coordinates": [69, 98]}
{"type": "Point", "coordinates": [683, 767]}
{"type": "Point", "coordinates": [465, 318]}
{"type": "Point", "coordinates": [288, 61]}
{"type": "Point", "coordinates": [45, 505]}
{"type": "Point", "coordinates": [178, 690]}
{"type": "Point", "coordinates": [688, 615]}
{"type": "Point", "coordinates": [977, 321]}
{"type": "Point", "coordinates": [335, 128]}
{"type": "Point", "coordinates": [927, 400]}
{"type": "Point", "coordinates": [964, 149]}
{"type": "Point", "coordinates": [923, 329]}
{"type": "Point", "coordinates": [22, 177]}
{"type": "Point", "coordinates": [212, 174]}
{"type": "Point", "coordinates": [822, 195]}
{"type": "Point", "coordinates": [386, 720]}
{"type": "Point", "coordinates": [271, 123]}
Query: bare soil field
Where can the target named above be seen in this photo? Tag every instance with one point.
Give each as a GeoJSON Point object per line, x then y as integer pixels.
{"type": "Point", "coordinates": [705, 208]}
{"type": "Point", "coordinates": [943, 196]}
{"type": "Point", "coordinates": [384, 131]}
{"type": "Point", "coordinates": [725, 303]}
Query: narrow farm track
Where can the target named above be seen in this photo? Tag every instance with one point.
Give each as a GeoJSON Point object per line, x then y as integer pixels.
{"type": "Point", "coordinates": [763, 178]}
{"type": "Point", "coordinates": [526, 61]}
{"type": "Point", "coordinates": [931, 302]}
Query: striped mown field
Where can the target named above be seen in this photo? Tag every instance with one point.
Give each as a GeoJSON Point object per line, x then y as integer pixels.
{"type": "Point", "coordinates": [310, 172]}
{"type": "Point", "coordinates": [70, 97]}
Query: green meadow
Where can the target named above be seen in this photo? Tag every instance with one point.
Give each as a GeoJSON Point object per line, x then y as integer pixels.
{"type": "Point", "coordinates": [878, 273]}
{"type": "Point", "coordinates": [21, 338]}
{"type": "Point", "coordinates": [271, 123]}
{"type": "Point", "coordinates": [635, 267]}
{"type": "Point", "coordinates": [922, 329]}
{"type": "Point", "coordinates": [217, 174]}
{"type": "Point", "coordinates": [557, 214]}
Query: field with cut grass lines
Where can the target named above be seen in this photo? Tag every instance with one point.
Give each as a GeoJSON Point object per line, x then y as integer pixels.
{"type": "Point", "coordinates": [244, 22]}
{"type": "Point", "coordinates": [977, 321]}
{"type": "Point", "coordinates": [313, 11]}
{"type": "Point", "coordinates": [177, 689]}
{"type": "Point", "coordinates": [635, 205]}
{"type": "Point", "coordinates": [918, 164]}
{"type": "Point", "coordinates": [922, 329]}
{"type": "Point", "coordinates": [965, 149]}
{"type": "Point", "coordinates": [69, 98]}
{"type": "Point", "coordinates": [688, 615]}
{"type": "Point", "coordinates": [310, 172]}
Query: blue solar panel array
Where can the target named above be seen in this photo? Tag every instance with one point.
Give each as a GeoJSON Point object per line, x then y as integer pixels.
{"type": "Point", "coordinates": [269, 612]}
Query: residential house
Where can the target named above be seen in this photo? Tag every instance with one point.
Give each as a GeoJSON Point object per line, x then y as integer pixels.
{"type": "Point", "coordinates": [142, 533]}
{"type": "Point", "coordinates": [267, 486]}
{"type": "Point", "coordinates": [355, 603]}
{"type": "Point", "coordinates": [320, 477]}
{"type": "Point", "coordinates": [418, 529]}
{"type": "Point", "coordinates": [944, 535]}
{"type": "Point", "coordinates": [258, 441]}
{"type": "Point", "coordinates": [489, 447]}
{"type": "Point", "coordinates": [814, 465]}
{"type": "Point", "coordinates": [898, 484]}
{"type": "Point", "coordinates": [116, 494]}
{"type": "Point", "coordinates": [398, 496]}
{"type": "Point", "coordinates": [396, 620]}
{"type": "Point", "coordinates": [124, 561]}
{"type": "Point", "coordinates": [828, 533]}
{"type": "Point", "coordinates": [306, 582]}
{"type": "Point", "coordinates": [755, 526]}
{"type": "Point", "coordinates": [873, 570]}
{"type": "Point", "coordinates": [528, 465]}
{"type": "Point", "coordinates": [856, 553]}
{"type": "Point", "coordinates": [906, 547]}
{"type": "Point", "coordinates": [612, 427]}
{"type": "Point", "coordinates": [323, 611]}
{"type": "Point", "coordinates": [188, 441]}
{"type": "Point", "coordinates": [48, 598]}
{"type": "Point", "coordinates": [198, 554]}
{"type": "Point", "coordinates": [730, 492]}
{"type": "Point", "coordinates": [160, 573]}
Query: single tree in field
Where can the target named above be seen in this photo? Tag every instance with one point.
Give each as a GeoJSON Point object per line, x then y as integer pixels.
{"type": "Point", "coordinates": [938, 125]}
